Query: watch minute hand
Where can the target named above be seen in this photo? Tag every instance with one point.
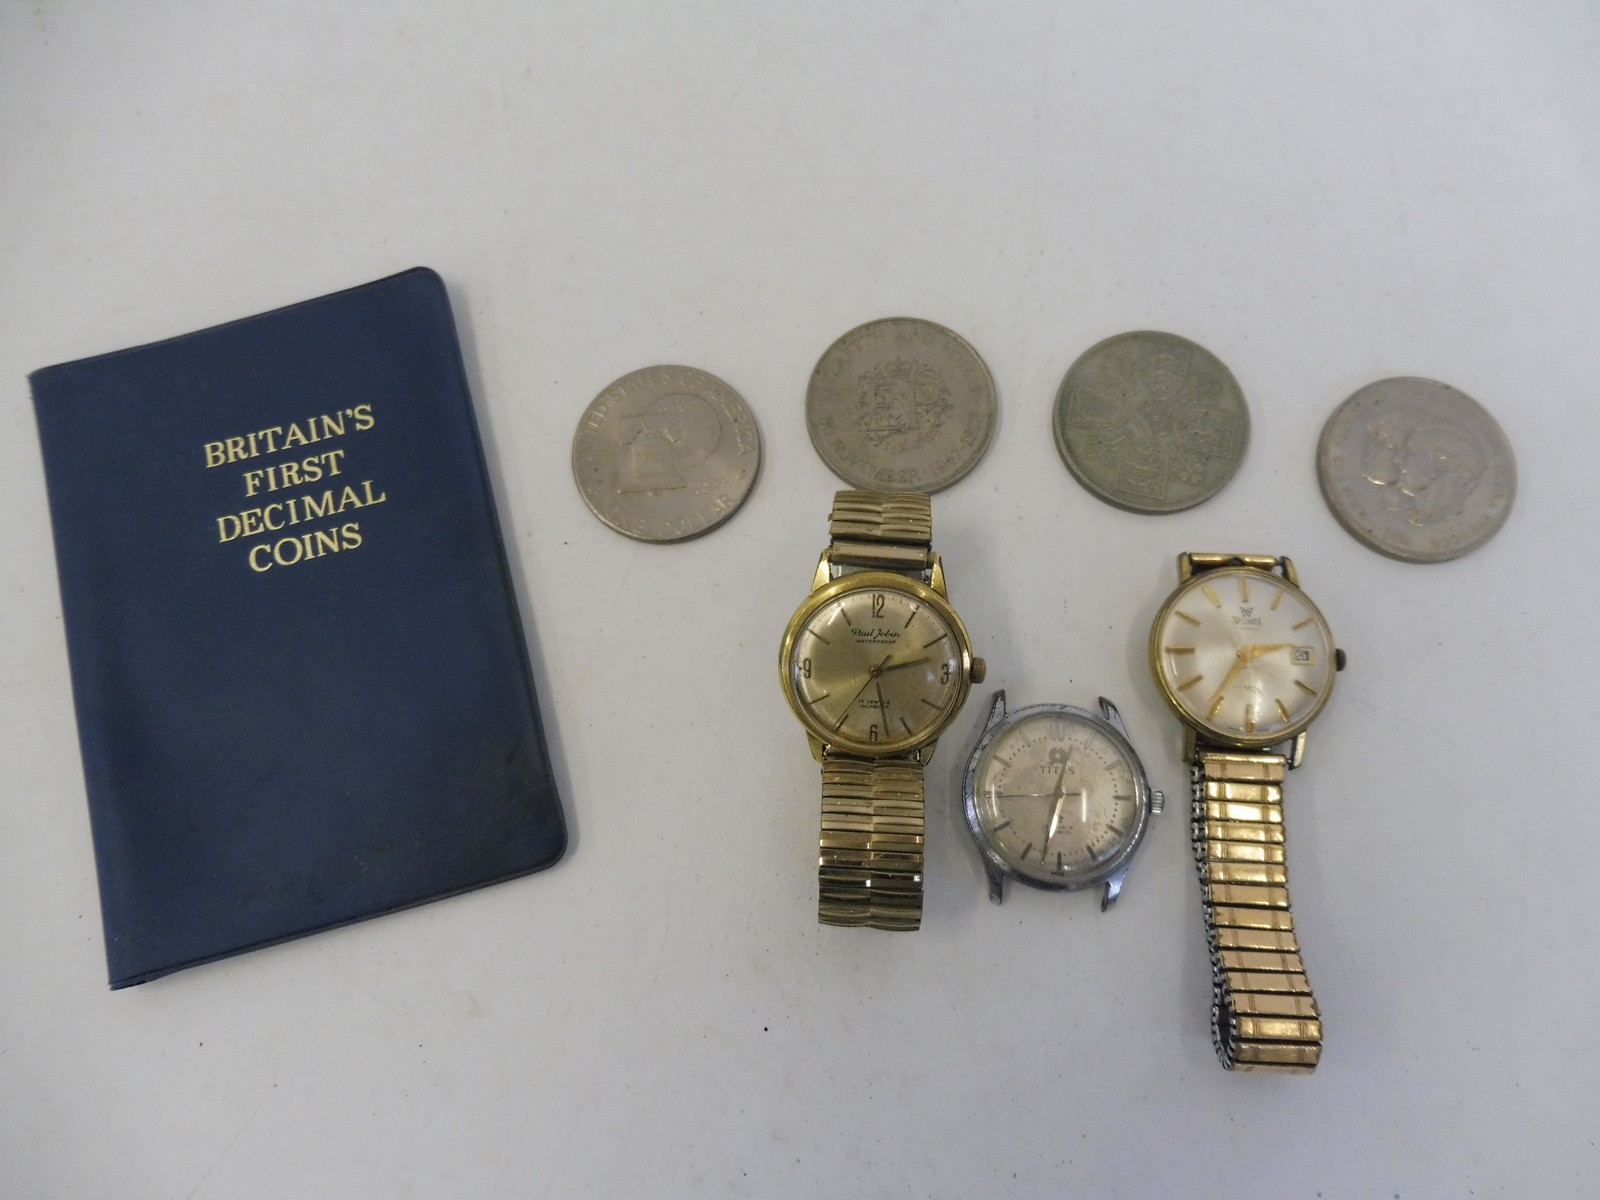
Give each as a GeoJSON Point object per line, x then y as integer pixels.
{"type": "Point", "coordinates": [910, 662]}
{"type": "Point", "coordinates": [1247, 655]}
{"type": "Point", "coordinates": [1239, 661]}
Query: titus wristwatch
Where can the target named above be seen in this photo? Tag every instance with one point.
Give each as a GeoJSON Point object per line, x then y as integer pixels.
{"type": "Point", "coordinates": [1247, 662]}
{"type": "Point", "coordinates": [1056, 798]}
{"type": "Point", "coordinates": [876, 664]}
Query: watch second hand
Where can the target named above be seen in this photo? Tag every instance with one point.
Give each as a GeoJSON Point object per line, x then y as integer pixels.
{"type": "Point", "coordinates": [1245, 656]}
{"type": "Point", "coordinates": [872, 676]}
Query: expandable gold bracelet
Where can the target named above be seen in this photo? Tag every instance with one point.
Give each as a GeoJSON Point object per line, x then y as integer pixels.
{"type": "Point", "coordinates": [869, 864]}
{"type": "Point", "coordinates": [1264, 1017]}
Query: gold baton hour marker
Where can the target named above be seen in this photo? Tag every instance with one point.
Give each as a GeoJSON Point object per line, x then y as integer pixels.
{"type": "Point", "coordinates": [1244, 590]}
{"type": "Point", "coordinates": [1277, 599]}
{"type": "Point", "coordinates": [1189, 683]}
{"type": "Point", "coordinates": [1215, 706]}
{"type": "Point", "coordinates": [1178, 612]}
{"type": "Point", "coordinates": [1210, 595]}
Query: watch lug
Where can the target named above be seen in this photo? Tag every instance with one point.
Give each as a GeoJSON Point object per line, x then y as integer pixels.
{"type": "Point", "coordinates": [1109, 711]}
{"type": "Point", "coordinates": [824, 573]}
{"type": "Point", "coordinates": [936, 577]}
{"type": "Point", "coordinates": [1297, 752]}
{"type": "Point", "coordinates": [1113, 889]}
{"type": "Point", "coordinates": [1185, 566]}
{"type": "Point", "coordinates": [1289, 572]}
{"type": "Point", "coordinates": [924, 753]}
{"type": "Point", "coordinates": [997, 710]}
{"type": "Point", "coordinates": [997, 883]}
{"type": "Point", "coordinates": [1188, 744]}
{"type": "Point", "coordinates": [817, 747]}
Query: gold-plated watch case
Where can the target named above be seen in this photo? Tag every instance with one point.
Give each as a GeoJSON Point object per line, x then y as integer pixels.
{"type": "Point", "coordinates": [1200, 575]}
{"type": "Point", "coordinates": [1264, 1015]}
{"type": "Point", "coordinates": [930, 596]}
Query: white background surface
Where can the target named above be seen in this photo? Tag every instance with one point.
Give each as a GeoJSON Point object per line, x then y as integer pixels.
{"type": "Point", "coordinates": [1322, 194]}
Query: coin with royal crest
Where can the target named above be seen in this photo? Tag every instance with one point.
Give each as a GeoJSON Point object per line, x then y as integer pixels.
{"type": "Point", "coordinates": [666, 453]}
{"type": "Point", "coordinates": [901, 404]}
{"type": "Point", "coordinates": [1151, 422]}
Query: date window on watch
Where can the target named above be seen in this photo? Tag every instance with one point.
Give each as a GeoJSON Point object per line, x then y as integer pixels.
{"type": "Point", "coordinates": [1305, 656]}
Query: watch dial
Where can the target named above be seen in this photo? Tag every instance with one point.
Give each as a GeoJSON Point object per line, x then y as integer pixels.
{"type": "Point", "coordinates": [876, 669]}
{"type": "Point", "coordinates": [1244, 654]}
{"type": "Point", "coordinates": [1055, 797]}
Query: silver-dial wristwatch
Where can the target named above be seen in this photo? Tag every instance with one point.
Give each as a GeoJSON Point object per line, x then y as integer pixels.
{"type": "Point", "coordinates": [876, 664]}
{"type": "Point", "coordinates": [1056, 798]}
{"type": "Point", "coordinates": [1247, 662]}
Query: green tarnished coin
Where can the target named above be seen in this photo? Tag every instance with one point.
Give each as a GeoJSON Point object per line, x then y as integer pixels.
{"type": "Point", "coordinates": [1151, 422]}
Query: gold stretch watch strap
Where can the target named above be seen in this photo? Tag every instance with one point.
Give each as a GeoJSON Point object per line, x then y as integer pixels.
{"type": "Point", "coordinates": [890, 531]}
{"type": "Point", "coordinates": [1264, 1017]}
{"type": "Point", "coordinates": [870, 865]}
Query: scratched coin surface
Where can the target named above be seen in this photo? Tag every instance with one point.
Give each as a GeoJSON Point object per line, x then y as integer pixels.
{"type": "Point", "coordinates": [1416, 470]}
{"type": "Point", "coordinates": [901, 404]}
{"type": "Point", "coordinates": [666, 453]}
{"type": "Point", "coordinates": [1151, 422]}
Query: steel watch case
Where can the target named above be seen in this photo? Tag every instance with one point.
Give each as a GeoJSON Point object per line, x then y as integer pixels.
{"type": "Point", "coordinates": [1113, 873]}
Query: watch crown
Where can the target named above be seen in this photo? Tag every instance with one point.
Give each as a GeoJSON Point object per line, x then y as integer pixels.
{"type": "Point", "coordinates": [1158, 801]}
{"type": "Point", "coordinates": [979, 670]}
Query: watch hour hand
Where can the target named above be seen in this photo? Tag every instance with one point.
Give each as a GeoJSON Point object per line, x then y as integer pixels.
{"type": "Point", "coordinates": [1055, 817]}
{"type": "Point", "coordinates": [1061, 795]}
{"type": "Point", "coordinates": [1251, 653]}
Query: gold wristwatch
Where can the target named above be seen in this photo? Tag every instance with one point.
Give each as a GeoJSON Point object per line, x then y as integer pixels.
{"type": "Point", "coordinates": [1247, 662]}
{"type": "Point", "coordinates": [876, 664]}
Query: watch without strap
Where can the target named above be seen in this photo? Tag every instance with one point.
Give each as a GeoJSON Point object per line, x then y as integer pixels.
{"type": "Point", "coordinates": [1247, 662]}
{"type": "Point", "coordinates": [876, 664]}
{"type": "Point", "coordinates": [1056, 798]}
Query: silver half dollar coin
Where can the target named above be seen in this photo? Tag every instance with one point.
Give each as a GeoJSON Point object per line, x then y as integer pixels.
{"type": "Point", "coordinates": [1151, 422]}
{"type": "Point", "coordinates": [901, 404]}
{"type": "Point", "coordinates": [666, 454]}
{"type": "Point", "coordinates": [1416, 470]}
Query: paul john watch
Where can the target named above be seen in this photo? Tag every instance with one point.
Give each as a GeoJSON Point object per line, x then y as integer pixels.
{"type": "Point", "coordinates": [1056, 798]}
{"type": "Point", "coordinates": [876, 664]}
{"type": "Point", "coordinates": [1247, 662]}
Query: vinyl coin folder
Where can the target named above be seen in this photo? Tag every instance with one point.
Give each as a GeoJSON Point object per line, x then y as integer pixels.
{"type": "Point", "coordinates": [300, 677]}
